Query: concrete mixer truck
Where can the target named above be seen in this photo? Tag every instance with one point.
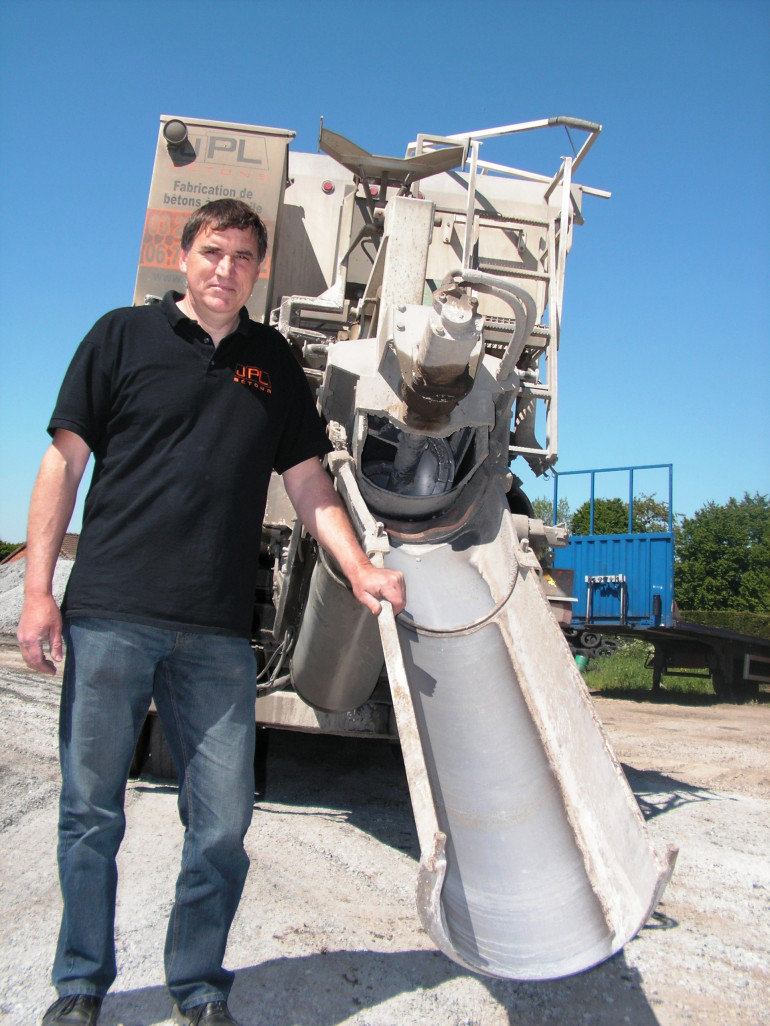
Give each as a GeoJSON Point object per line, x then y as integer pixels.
{"type": "Point", "coordinates": [423, 297]}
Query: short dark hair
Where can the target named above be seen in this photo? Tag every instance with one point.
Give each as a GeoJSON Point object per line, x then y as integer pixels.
{"type": "Point", "coordinates": [221, 214]}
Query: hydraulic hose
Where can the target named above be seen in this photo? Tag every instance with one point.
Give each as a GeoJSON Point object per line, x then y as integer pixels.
{"type": "Point", "coordinates": [516, 297]}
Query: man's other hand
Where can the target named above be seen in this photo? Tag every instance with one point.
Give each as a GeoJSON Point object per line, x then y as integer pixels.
{"type": "Point", "coordinates": [40, 622]}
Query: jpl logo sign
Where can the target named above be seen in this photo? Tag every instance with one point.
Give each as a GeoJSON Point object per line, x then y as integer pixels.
{"type": "Point", "coordinates": [230, 149]}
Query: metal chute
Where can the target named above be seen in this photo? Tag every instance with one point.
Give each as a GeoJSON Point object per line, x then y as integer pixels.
{"type": "Point", "coordinates": [535, 861]}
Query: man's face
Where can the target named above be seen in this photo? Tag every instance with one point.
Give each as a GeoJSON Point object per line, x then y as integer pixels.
{"type": "Point", "coordinates": [222, 270]}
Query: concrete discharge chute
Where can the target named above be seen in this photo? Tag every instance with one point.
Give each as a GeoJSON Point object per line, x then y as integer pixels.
{"type": "Point", "coordinates": [535, 859]}
{"type": "Point", "coordinates": [433, 346]}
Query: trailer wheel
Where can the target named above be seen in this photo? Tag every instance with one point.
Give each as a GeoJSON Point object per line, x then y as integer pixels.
{"type": "Point", "coordinates": [744, 690]}
{"type": "Point", "coordinates": [727, 678]}
{"type": "Point", "coordinates": [719, 682]}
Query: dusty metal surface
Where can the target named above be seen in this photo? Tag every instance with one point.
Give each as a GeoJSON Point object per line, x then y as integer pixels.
{"type": "Point", "coordinates": [549, 868]}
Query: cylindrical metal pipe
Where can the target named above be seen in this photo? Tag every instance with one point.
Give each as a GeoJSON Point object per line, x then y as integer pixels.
{"type": "Point", "coordinates": [338, 656]}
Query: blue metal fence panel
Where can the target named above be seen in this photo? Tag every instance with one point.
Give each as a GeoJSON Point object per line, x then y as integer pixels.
{"type": "Point", "coordinates": [621, 579]}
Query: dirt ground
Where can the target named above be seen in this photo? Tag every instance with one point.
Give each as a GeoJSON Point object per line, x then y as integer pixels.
{"type": "Point", "coordinates": [327, 931]}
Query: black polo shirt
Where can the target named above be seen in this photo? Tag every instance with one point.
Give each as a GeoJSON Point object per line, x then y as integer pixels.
{"type": "Point", "coordinates": [185, 436]}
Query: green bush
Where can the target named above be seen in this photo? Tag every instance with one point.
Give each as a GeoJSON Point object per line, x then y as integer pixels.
{"type": "Point", "coordinates": [755, 624]}
{"type": "Point", "coordinates": [623, 672]}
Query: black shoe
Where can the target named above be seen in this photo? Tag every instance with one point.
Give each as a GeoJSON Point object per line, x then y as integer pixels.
{"type": "Point", "coordinates": [213, 1013]}
{"type": "Point", "coordinates": [75, 1010]}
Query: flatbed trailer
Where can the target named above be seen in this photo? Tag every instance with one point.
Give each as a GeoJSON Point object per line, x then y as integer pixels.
{"type": "Point", "coordinates": [736, 663]}
{"type": "Point", "coordinates": [623, 586]}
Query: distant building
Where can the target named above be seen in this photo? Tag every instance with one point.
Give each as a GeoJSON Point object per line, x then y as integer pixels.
{"type": "Point", "coordinates": [69, 548]}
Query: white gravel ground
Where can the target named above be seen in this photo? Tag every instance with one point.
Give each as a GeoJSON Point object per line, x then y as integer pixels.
{"type": "Point", "coordinates": [327, 933]}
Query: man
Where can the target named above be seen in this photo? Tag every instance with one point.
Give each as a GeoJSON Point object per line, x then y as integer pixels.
{"type": "Point", "coordinates": [187, 406]}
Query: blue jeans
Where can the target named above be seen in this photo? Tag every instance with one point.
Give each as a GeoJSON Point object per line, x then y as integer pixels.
{"type": "Point", "coordinates": [204, 690]}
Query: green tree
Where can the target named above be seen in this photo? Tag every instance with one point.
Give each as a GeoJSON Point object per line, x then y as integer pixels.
{"type": "Point", "coordinates": [650, 514]}
{"type": "Point", "coordinates": [723, 557]}
{"type": "Point", "coordinates": [6, 548]}
{"type": "Point", "coordinates": [543, 510]}
{"type": "Point", "coordinates": [611, 516]}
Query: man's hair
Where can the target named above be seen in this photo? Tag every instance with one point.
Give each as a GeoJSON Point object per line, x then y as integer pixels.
{"type": "Point", "coordinates": [221, 214]}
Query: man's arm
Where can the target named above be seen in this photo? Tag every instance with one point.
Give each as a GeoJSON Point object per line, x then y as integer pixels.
{"type": "Point", "coordinates": [323, 513]}
{"type": "Point", "coordinates": [53, 499]}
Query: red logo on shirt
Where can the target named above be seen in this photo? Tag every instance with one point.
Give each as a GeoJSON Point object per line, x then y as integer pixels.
{"type": "Point", "coordinates": [254, 377]}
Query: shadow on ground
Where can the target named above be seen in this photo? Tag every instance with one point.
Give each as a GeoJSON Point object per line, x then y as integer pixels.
{"type": "Point", "coordinates": [365, 784]}
{"type": "Point", "coordinates": [326, 989]}
{"type": "Point", "coordinates": [657, 793]}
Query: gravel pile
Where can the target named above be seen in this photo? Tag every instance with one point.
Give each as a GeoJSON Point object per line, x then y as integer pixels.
{"type": "Point", "coordinates": [12, 590]}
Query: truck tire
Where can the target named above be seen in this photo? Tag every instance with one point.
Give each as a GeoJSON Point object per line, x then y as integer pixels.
{"type": "Point", "coordinates": [159, 762]}
{"type": "Point", "coordinates": [152, 755]}
{"type": "Point", "coordinates": [589, 639]}
{"type": "Point", "coordinates": [261, 748]}
{"type": "Point", "coordinates": [141, 750]}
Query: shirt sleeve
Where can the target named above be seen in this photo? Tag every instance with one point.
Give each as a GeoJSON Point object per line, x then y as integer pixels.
{"type": "Point", "coordinates": [304, 435]}
{"type": "Point", "coordinates": [84, 396]}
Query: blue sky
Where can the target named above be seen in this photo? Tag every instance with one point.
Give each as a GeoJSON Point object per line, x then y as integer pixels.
{"type": "Point", "coordinates": [665, 337]}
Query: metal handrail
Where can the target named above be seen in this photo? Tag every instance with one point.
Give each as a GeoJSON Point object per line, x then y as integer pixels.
{"type": "Point", "coordinates": [426, 141]}
{"type": "Point", "coordinates": [616, 470]}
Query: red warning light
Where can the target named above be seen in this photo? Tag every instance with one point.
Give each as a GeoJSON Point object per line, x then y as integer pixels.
{"type": "Point", "coordinates": [328, 187]}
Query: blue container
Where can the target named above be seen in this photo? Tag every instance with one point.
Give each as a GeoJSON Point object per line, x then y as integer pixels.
{"type": "Point", "coordinates": [621, 579]}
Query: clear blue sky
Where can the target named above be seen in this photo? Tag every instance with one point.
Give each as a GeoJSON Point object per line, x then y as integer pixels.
{"type": "Point", "coordinates": [664, 354]}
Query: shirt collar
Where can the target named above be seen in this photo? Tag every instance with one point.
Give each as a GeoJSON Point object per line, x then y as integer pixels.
{"type": "Point", "coordinates": [185, 326]}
